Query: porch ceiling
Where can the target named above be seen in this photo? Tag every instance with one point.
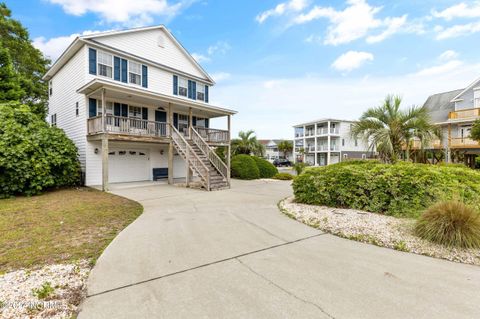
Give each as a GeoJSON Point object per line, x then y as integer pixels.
{"type": "Point", "coordinates": [140, 96]}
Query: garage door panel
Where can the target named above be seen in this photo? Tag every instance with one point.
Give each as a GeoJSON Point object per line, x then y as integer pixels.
{"type": "Point", "coordinates": [128, 165]}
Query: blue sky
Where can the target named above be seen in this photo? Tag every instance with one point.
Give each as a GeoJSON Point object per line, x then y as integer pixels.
{"type": "Point", "coordinates": [283, 62]}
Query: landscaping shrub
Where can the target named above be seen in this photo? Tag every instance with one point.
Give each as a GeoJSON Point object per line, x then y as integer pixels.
{"type": "Point", "coordinates": [402, 189]}
{"type": "Point", "coordinates": [33, 155]}
{"type": "Point", "coordinates": [266, 169]}
{"type": "Point", "coordinates": [450, 223]}
{"type": "Point", "coordinates": [283, 176]}
{"type": "Point", "coordinates": [299, 167]}
{"type": "Point", "coordinates": [244, 167]}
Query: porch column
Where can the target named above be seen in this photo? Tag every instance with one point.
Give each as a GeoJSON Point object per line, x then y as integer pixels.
{"type": "Point", "coordinates": [328, 142]}
{"type": "Point", "coordinates": [189, 172]}
{"type": "Point", "coordinates": [170, 145]}
{"type": "Point", "coordinates": [104, 146]}
{"type": "Point", "coordinates": [190, 123]}
{"type": "Point", "coordinates": [449, 142]}
{"type": "Point", "coordinates": [228, 148]}
{"type": "Point", "coordinates": [315, 140]}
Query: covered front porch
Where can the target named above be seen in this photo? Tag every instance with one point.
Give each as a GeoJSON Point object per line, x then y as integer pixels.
{"type": "Point", "coordinates": [119, 114]}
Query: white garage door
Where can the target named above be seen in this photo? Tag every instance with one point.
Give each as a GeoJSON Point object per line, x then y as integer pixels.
{"type": "Point", "coordinates": [128, 165]}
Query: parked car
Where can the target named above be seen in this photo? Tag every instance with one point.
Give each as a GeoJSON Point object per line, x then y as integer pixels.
{"type": "Point", "coordinates": [282, 162]}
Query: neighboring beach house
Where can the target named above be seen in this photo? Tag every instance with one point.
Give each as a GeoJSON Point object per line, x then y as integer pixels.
{"type": "Point", "coordinates": [327, 141]}
{"type": "Point", "coordinates": [137, 105]}
{"type": "Point", "coordinates": [272, 152]}
{"type": "Point", "coordinates": [455, 111]}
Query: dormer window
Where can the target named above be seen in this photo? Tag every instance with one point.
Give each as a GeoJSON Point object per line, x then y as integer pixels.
{"type": "Point", "coordinates": [201, 92]}
{"type": "Point", "coordinates": [182, 86]}
{"type": "Point", "coordinates": [134, 72]}
{"type": "Point", "coordinates": [105, 63]}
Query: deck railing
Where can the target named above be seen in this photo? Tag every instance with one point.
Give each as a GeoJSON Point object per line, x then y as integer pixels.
{"type": "Point", "coordinates": [213, 135]}
{"type": "Point", "coordinates": [210, 154]}
{"type": "Point", "coordinates": [463, 142]}
{"type": "Point", "coordinates": [464, 114]}
{"type": "Point", "coordinates": [127, 125]}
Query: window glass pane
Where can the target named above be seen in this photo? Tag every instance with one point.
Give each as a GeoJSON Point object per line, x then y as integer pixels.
{"type": "Point", "coordinates": [104, 58]}
{"type": "Point", "coordinates": [134, 67]}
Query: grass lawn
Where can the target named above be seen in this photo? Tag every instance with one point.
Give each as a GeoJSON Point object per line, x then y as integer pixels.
{"type": "Point", "coordinates": [60, 226]}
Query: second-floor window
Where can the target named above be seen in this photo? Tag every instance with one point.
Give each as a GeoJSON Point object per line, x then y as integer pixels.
{"type": "Point", "coordinates": [134, 72]}
{"type": "Point", "coordinates": [201, 92]}
{"type": "Point", "coordinates": [182, 86]}
{"type": "Point", "coordinates": [135, 111]}
{"type": "Point", "coordinates": [105, 64]}
{"type": "Point", "coordinates": [477, 102]}
{"type": "Point", "coordinates": [108, 108]}
{"type": "Point", "coordinates": [53, 119]}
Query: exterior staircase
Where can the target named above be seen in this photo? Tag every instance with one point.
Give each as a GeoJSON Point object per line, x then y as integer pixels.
{"type": "Point", "coordinates": [202, 160]}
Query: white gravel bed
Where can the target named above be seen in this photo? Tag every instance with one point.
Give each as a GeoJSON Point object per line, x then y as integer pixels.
{"type": "Point", "coordinates": [18, 300]}
{"type": "Point", "coordinates": [377, 229]}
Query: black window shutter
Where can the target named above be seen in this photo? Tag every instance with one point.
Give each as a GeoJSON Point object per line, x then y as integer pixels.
{"type": "Point", "coordinates": [92, 107]}
{"type": "Point", "coordinates": [194, 120]}
{"type": "Point", "coordinates": [175, 85]}
{"type": "Point", "coordinates": [144, 113]}
{"type": "Point", "coordinates": [116, 109]}
{"type": "Point", "coordinates": [189, 89]}
{"type": "Point", "coordinates": [124, 110]}
{"type": "Point", "coordinates": [124, 74]}
{"type": "Point", "coordinates": [206, 93]}
{"type": "Point", "coordinates": [116, 68]}
{"type": "Point", "coordinates": [206, 123]}
{"type": "Point", "coordinates": [92, 61]}
{"type": "Point", "coordinates": [194, 90]}
{"type": "Point", "coordinates": [175, 120]}
{"type": "Point", "coordinates": [144, 76]}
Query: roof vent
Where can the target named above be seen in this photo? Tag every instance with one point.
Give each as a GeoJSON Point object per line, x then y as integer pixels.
{"type": "Point", "coordinates": [161, 41]}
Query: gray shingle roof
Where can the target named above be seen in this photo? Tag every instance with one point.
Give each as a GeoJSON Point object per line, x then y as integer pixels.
{"type": "Point", "coordinates": [439, 105]}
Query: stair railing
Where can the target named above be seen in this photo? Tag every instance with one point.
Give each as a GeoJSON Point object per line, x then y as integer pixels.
{"type": "Point", "coordinates": [191, 157]}
{"type": "Point", "coordinates": [210, 153]}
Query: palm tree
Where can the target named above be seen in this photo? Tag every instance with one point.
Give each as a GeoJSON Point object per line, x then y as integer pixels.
{"type": "Point", "coordinates": [247, 143]}
{"type": "Point", "coordinates": [388, 128]}
{"type": "Point", "coordinates": [285, 147]}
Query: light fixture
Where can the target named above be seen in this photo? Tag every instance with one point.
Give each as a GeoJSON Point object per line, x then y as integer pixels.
{"type": "Point", "coordinates": [161, 152]}
{"type": "Point", "coordinates": [96, 151]}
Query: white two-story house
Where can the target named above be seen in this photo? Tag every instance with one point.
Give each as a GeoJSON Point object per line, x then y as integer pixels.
{"type": "Point", "coordinates": [137, 106]}
{"type": "Point", "coordinates": [455, 112]}
{"type": "Point", "coordinates": [327, 141]}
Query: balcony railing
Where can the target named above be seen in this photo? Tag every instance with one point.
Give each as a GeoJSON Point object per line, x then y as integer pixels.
{"type": "Point", "coordinates": [139, 127]}
{"type": "Point", "coordinates": [213, 135]}
{"type": "Point", "coordinates": [463, 142]}
{"type": "Point", "coordinates": [334, 130]}
{"type": "Point", "coordinates": [126, 125]}
{"type": "Point", "coordinates": [464, 114]}
{"type": "Point", "coordinates": [322, 131]}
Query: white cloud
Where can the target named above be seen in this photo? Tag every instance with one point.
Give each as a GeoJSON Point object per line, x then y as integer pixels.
{"type": "Point", "coordinates": [461, 10]}
{"type": "Point", "coordinates": [271, 113]}
{"type": "Point", "coordinates": [448, 55]}
{"type": "Point", "coordinates": [393, 25]}
{"type": "Point", "coordinates": [313, 39]}
{"type": "Point", "coordinates": [221, 47]}
{"type": "Point", "coordinates": [53, 47]}
{"type": "Point", "coordinates": [355, 22]}
{"type": "Point", "coordinates": [125, 12]}
{"type": "Point", "coordinates": [440, 69]}
{"type": "Point", "coordinates": [220, 76]}
{"type": "Point", "coordinates": [200, 57]}
{"type": "Point", "coordinates": [281, 9]}
{"type": "Point", "coordinates": [457, 30]}
{"type": "Point", "coordinates": [351, 60]}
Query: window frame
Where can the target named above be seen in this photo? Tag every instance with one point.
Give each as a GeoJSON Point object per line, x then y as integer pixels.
{"type": "Point", "coordinates": [201, 90]}
{"type": "Point", "coordinates": [108, 108]}
{"type": "Point", "coordinates": [99, 64]}
{"type": "Point", "coordinates": [77, 110]}
{"type": "Point", "coordinates": [130, 72]}
{"type": "Point", "coordinates": [180, 80]}
{"type": "Point", "coordinates": [53, 119]}
{"type": "Point", "coordinates": [132, 112]}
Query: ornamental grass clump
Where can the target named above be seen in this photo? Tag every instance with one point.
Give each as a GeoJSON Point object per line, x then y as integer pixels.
{"type": "Point", "coordinates": [450, 223]}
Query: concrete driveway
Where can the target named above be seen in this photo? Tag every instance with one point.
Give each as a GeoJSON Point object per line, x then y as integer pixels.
{"type": "Point", "coordinates": [232, 254]}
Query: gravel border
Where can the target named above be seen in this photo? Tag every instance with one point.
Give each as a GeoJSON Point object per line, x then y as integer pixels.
{"type": "Point", "coordinates": [18, 300]}
{"type": "Point", "coordinates": [377, 229]}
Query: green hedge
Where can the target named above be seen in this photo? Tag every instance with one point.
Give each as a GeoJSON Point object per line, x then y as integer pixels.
{"type": "Point", "coordinates": [244, 167]}
{"type": "Point", "coordinates": [266, 169]}
{"type": "Point", "coordinates": [283, 176]}
{"type": "Point", "coordinates": [402, 189]}
{"type": "Point", "coordinates": [33, 155]}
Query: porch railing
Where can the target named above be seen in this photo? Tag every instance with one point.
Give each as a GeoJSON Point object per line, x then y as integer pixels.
{"type": "Point", "coordinates": [463, 142]}
{"type": "Point", "coordinates": [211, 155]}
{"type": "Point", "coordinates": [126, 125]}
{"type": "Point", "coordinates": [191, 157]}
{"type": "Point", "coordinates": [213, 135]}
{"type": "Point", "coordinates": [464, 114]}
